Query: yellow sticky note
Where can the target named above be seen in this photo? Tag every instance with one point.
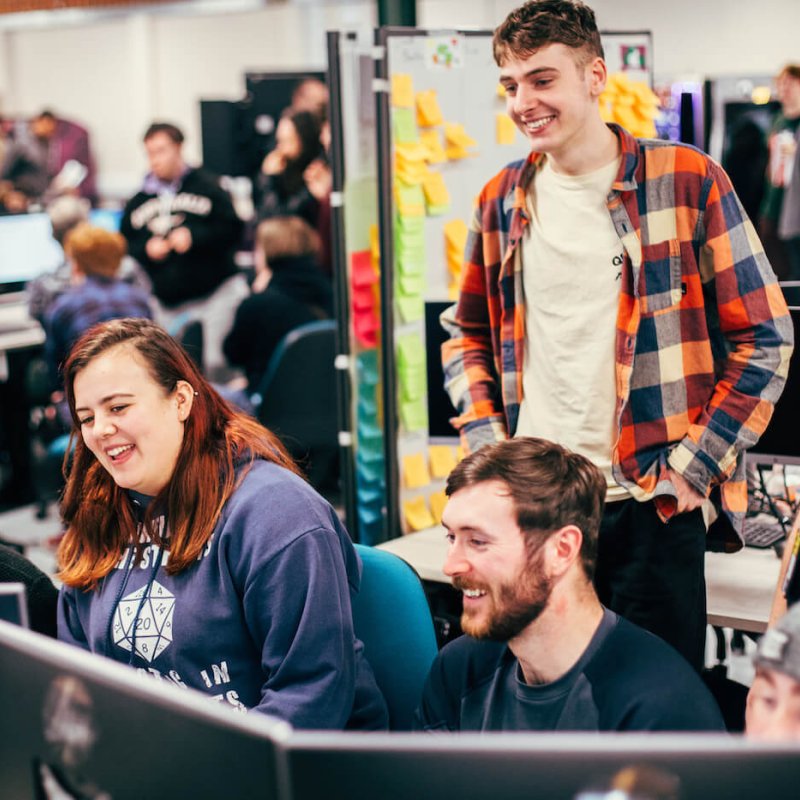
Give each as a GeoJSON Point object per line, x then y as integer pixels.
{"type": "Point", "coordinates": [402, 91]}
{"type": "Point", "coordinates": [506, 130]}
{"type": "Point", "coordinates": [435, 190]}
{"type": "Point", "coordinates": [374, 245]}
{"type": "Point", "coordinates": [460, 452]}
{"type": "Point", "coordinates": [501, 90]}
{"type": "Point", "coordinates": [428, 111]}
{"type": "Point", "coordinates": [442, 458]}
{"type": "Point", "coordinates": [438, 501]}
{"type": "Point", "coordinates": [415, 471]}
{"type": "Point", "coordinates": [417, 514]}
{"type": "Point", "coordinates": [455, 134]}
{"type": "Point", "coordinates": [432, 142]}
{"type": "Point", "coordinates": [455, 234]}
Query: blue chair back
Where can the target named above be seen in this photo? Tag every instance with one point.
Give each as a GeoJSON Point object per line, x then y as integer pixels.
{"type": "Point", "coordinates": [297, 400]}
{"type": "Point", "coordinates": [392, 618]}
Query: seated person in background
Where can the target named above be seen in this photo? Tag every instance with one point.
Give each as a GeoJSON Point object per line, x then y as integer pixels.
{"type": "Point", "coordinates": [50, 158]}
{"type": "Point", "coordinates": [541, 652]}
{"type": "Point", "coordinates": [773, 703]}
{"type": "Point", "coordinates": [289, 290]}
{"type": "Point", "coordinates": [41, 594]}
{"type": "Point", "coordinates": [193, 549]}
{"type": "Point", "coordinates": [281, 187]}
{"type": "Point", "coordinates": [65, 213]}
{"type": "Point", "coordinates": [96, 293]}
{"type": "Point", "coordinates": [182, 228]}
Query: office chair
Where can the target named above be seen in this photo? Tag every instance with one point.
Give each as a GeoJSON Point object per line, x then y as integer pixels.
{"type": "Point", "coordinates": [296, 400]}
{"type": "Point", "coordinates": [188, 332]}
{"type": "Point", "coordinates": [392, 618]}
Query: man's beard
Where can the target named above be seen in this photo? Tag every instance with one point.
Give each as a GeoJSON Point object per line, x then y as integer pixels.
{"type": "Point", "coordinates": [513, 605]}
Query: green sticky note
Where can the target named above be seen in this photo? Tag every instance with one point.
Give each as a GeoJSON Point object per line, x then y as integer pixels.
{"type": "Point", "coordinates": [410, 351]}
{"type": "Point", "coordinates": [414, 414]}
{"type": "Point", "coordinates": [404, 125]}
{"type": "Point", "coordinates": [410, 285]}
{"type": "Point", "coordinates": [413, 383]}
{"type": "Point", "coordinates": [410, 309]}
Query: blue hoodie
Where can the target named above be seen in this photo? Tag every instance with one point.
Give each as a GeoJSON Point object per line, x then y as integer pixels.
{"type": "Point", "coordinates": [263, 620]}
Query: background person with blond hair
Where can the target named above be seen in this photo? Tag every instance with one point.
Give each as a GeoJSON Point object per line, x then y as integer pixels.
{"type": "Point", "coordinates": [96, 294]}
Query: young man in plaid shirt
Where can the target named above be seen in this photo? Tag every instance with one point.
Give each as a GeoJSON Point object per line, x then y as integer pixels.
{"type": "Point", "coordinates": [616, 299]}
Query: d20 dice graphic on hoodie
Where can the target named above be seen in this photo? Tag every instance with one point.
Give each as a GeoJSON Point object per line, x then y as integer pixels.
{"type": "Point", "coordinates": [150, 618]}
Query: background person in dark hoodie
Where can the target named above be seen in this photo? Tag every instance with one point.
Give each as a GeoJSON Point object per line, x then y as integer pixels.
{"type": "Point", "coordinates": [193, 549]}
{"type": "Point", "coordinates": [289, 290]}
{"type": "Point", "coordinates": [182, 228]}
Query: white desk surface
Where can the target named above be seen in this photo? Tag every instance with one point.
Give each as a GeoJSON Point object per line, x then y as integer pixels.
{"type": "Point", "coordinates": [739, 586]}
{"type": "Point", "coordinates": [17, 328]}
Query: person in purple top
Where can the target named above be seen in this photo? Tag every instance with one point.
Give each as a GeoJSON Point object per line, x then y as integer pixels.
{"type": "Point", "coordinates": [194, 551]}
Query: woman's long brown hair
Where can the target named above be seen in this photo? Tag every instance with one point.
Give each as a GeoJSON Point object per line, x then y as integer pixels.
{"type": "Point", "coordinates": [98, 515]}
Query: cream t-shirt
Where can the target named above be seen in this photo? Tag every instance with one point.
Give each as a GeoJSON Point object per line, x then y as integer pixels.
{"type": "Point", "coordinates": [572, 272]}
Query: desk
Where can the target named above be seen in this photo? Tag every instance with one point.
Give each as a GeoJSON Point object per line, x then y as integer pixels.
{"type": "Point", "coordinates": [739, 586]}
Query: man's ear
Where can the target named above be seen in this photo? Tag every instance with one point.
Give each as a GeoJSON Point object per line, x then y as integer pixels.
{"type": "Point", "coordinates": [564, 549]}
{"type": "Point", "coordinates": [184, 397]}
{"type": "Point", "coordinates": [597, 76]}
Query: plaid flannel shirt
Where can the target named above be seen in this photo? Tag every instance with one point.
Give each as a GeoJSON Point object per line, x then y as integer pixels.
{"type": "Point", "coordinates": [703, 334]}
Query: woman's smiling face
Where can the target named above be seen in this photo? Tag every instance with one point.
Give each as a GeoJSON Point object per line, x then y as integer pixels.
{"type": "Point", "coordinates": [131, 425]}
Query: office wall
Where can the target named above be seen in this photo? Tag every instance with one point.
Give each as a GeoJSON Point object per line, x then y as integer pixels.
{"type": "Point", "coordinates": [708, 38]}
{"type": "Point", "coordinates": [117, 73]}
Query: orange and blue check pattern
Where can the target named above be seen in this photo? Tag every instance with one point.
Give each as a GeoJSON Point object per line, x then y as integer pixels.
{"type": "Point", "coordinates": [703, 333]}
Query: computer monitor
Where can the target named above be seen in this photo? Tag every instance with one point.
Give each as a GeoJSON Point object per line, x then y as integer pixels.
{"type": "Point", "coordinates": [529, 766]}
{"type": "Point", "coordinates": [73, 724]}
{"type": "Point", "coordinates": [27, 249]}
{"type": "Point", "coordinates": [108, 218]}
{"type": "Point", "coordinates": [14, 603]}
{"type": "Point", "coordinates": [780, 442]}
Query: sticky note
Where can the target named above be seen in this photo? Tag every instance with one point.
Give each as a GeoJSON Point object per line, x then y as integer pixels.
{"type": "Point", "coordinates": [402, 91]}
{"type": "Point", "coordinates": [410, 351]}
{"type": "Point", "coordinates": [367, 368]}
{"type": "Point", "coordinates": [460, 452]}
{"type": "Point", "coordinates": [413, 385]}
{"type": "Point", "coordinates": [505, 129]}
{"type": "Point", "coordinates": [404, 126]}
{"type": "Point", "coordinates": [501, 90]}
{"type": "Point", "coordinates": [363, 298]}
{"type": "Point", "coordinates": [438, 501]}
{"type": "Point", "coordinates": [428, 111]}
{"type": "Point", "coordinates": [417, 514]}
{"type": "Point", "coordinates": [411, 309]}
{"type": "Point", "coordinates": [369, 515]}
{"type": "Point", "coordinates": [436, 194]}
{"type": "Point", "coordinates": [443, 460]}
{"type": "Point", "coordinates": [362, 271]}
{"type": "Point", "coordinates": [415, 471]}
{"type": "Point", "coordinates": [454, 133]}
{"type": "Point", "coordinates": [410, 199]}
{"type": "Point", "coordinates": [457, 142]}
{"type": "Point", "coordinates": [365, 327]}
{"type": "Point", "coordinates": [375, 245]}
{"type": "Point", "coordinates": [414, 414]}
{"type": "Point", "coordinates": [431, 140]}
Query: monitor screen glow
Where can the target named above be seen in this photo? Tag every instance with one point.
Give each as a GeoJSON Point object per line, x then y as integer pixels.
{"type": "Point", "coordinates": [27, 248]}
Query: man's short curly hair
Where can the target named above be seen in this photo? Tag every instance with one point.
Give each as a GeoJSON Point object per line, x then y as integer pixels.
{"type": "Point", "coordinates": [539, 23]}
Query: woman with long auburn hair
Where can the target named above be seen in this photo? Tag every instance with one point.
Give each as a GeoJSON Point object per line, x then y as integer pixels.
{"type": "Point", "coordinates": [194, 550]}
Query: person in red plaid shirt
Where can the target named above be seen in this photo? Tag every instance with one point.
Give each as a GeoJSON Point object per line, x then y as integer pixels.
{"type": "Point", "coordinates": [616, 299]}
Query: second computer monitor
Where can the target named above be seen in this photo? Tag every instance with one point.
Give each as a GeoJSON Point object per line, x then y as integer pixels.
{"type": "Point", "coordinates": [77, 725]}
